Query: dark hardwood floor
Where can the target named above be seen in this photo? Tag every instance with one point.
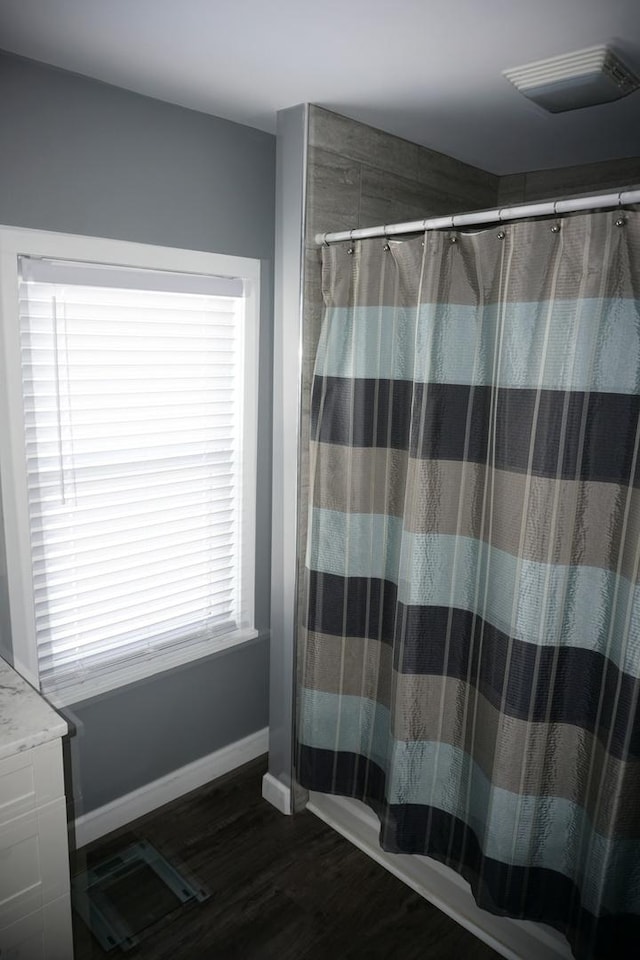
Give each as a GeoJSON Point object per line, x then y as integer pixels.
{"type": "Point", "coordinates": [287, 888]}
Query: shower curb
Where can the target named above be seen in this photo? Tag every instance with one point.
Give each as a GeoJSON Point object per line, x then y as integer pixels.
{"type": "Point", "coordinates": [445, 889]}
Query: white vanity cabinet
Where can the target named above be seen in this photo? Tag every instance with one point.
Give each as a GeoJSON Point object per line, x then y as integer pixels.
{"type": "Point", "coordinates": [35, 911]}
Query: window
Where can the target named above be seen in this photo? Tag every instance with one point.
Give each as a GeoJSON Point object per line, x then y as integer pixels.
{"type": "Point", "coordinates": [128, 457]}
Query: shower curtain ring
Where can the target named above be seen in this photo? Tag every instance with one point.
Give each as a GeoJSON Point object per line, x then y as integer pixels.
{"type": "Point", "coordinates": [350, 247]}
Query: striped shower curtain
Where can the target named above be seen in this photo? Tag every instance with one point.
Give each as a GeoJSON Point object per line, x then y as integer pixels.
{"type": "Point", "coordinates": [470, 639]}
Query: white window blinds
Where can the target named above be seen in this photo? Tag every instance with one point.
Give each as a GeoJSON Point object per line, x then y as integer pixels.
{"type": "Point", "coordinates": [133, 389]}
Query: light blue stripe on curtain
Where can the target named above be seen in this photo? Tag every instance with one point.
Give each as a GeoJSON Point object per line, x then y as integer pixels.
{"type": "Point", "coordinates": [567, 605]}
{"type": "Point", "coordinates": [381, 342]}
{"type": "Point", "coordinates": [439, 775]}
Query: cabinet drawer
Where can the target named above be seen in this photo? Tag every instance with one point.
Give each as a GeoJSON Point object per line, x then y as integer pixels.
{"type": "Point", "coordinates": [43, 935]}
{"type": "Point", "coordinates": [30, 779]}
{"type": "Point", "coordinates": [34, 864]}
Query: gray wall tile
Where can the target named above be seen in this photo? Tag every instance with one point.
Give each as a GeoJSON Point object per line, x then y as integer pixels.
{"type": "Point", "coordinates": [333, 192]}
{"type": "Point", "coordinates": [389, 198]}
{"type": "Point", "coordinates": [594, 176]}
{"type": "Point", "coordinates": [359, 176]}
{"type": "Point", "coordinates": [469, 187]}
{"type": "Point", "coordinates": [357, 141]}
{"type": "Point", "coordinates": [511, 189]}
{"type": "Point", "coordinates": [569, 181]}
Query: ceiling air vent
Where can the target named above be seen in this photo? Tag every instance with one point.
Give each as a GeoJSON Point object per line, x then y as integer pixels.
{"type": "Point", "coordinates": [581, 79]}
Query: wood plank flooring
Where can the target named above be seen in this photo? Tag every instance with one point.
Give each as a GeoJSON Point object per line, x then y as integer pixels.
{"type": "Point", "coordinates": [287, 888]}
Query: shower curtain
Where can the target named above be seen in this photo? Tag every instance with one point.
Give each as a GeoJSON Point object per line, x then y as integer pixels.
{"type": "Point", "coordinates": [469, 653]}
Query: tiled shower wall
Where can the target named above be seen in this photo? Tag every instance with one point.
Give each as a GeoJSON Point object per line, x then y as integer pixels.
{"type": "Point", "coordinates": [358, 177]}
{"type": "Point", "coordinates": [569, 181]}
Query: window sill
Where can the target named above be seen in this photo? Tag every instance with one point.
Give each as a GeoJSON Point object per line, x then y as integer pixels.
{"type": "Point", "coordinates": [114, 678]}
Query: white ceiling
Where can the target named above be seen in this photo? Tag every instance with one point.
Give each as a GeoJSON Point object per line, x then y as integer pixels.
{"type": "Point", "coordinates": [427, 70]}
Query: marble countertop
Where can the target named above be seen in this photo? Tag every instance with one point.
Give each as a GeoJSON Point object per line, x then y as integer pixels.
{"type": "Point", "coordinates": [26, 719]}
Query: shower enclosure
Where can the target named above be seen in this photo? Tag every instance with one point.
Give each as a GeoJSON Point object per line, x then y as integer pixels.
{"type": "Point", "coordinates": [468, 611]}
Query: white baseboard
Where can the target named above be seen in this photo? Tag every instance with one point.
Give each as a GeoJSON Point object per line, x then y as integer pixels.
{"type": "Point", "coordinates": [123, 810]}
{"type": "Point", "coordinates": [514, 939]}
{"type": "Point", "coordinates": [275, 793]}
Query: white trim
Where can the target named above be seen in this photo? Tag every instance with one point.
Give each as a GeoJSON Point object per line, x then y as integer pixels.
{"type": "Point", "coordinates": [249, 472]}
{"type": "Point", "coordinates": [291, 160]}
{"type": "Point", "coordinates": [15, 241]}
{"type": "Point", "coordinates": [275, 793]}
{"type": "Point", "coordinates": [124, 253]}
{"type": "Point", "coordinates": [445, 889]}
{"type": "Point", "coordinates": [90, 826]}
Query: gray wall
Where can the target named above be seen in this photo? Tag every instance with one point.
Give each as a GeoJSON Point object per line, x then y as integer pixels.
{"type": "Point", "coordinates": [133, 735]}
{"type": "Point", "coordinates": [79, 156]}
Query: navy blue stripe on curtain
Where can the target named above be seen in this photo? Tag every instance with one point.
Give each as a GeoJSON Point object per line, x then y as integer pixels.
{"type": "Point", "coordinates": [568, 681]}
{"type": "Point", "coordinates": [378, 413]}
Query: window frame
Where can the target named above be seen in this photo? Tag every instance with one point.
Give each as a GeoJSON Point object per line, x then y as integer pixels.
{"type": "Point", "coordinates": [16, 242]}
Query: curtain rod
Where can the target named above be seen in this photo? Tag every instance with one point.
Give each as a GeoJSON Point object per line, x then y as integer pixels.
{"type": "Point", "coordinates": [479, 217]}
